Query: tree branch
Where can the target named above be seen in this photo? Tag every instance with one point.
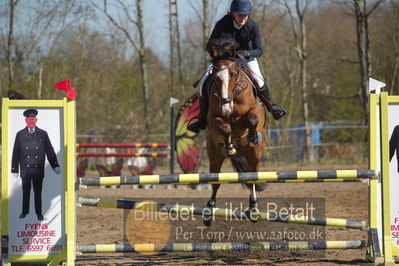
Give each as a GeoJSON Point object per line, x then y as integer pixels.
{"type": "Point", "coordinates": [116, 24]}
{"type": "Point", "coordinates": [127, 13]}
{"type": "Point", "coordinates": [376, 4]}
{"type": "Point", "coordinates": [196, 11]}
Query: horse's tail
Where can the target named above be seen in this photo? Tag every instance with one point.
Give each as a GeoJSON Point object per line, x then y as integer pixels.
{"type": "Point", "coordinates": [240, 163]}
{"type": "Point", "coordinates": [259, 187]}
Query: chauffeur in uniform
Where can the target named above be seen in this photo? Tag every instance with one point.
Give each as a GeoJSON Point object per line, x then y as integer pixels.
{"type": "Point", "coordinates": [394, 144]}
{"type": "Point", "coordinates": [31, 146]}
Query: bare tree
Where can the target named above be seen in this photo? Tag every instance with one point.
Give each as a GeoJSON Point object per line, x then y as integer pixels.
{"type": "Point", "coordinates": [174, 50]}
{"type": "Point", "coordinates": [205, 28]}
{"type": "Point", "coordinates": [139, 46]}
{"type": "Point", "coordinates": [268, 13]}
{"type": "Point", "coordinates": [394, 78]}
{"type": "Point", "coordinates": [361, 12]}
{"type": "Point", "coordinates": [31, 42]}
{"type": "Point", "coordinates": [206, 18]}
{"type": "Point", "coordinates": [10, 43]}
{"type": "Point", "coordinates": [298, 27]}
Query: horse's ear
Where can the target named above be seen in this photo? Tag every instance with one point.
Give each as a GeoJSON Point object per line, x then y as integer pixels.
{"type": "Point", "coordinates": [233, 52]}
{"type": "Point", "coordinates": [213, 53]}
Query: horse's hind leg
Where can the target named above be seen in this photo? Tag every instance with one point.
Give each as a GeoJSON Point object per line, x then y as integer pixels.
{"type": "Point", "coordinates": [254, 137]}
{"type": "Point", "coordinates": [253, 203]}
{"type": "Point", "coordinates": [255, 154]}
{"type": "Point", "coordinates": [215, 163]}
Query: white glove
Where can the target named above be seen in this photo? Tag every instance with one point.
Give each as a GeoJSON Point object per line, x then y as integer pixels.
{"type": "Point", "coordinates": [15, 175]}
{"type": "Point", "coordinates": [57, 170]}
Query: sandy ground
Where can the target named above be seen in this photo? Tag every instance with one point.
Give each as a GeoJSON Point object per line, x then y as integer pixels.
{"type": "Point", "coordinates": [108, 226]}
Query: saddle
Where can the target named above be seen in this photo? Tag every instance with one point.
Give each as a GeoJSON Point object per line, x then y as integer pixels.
{"type": "Point", "coordinates": [249, 75]}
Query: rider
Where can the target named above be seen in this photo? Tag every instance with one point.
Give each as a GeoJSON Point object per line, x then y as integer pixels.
{"type": "Point", "coordinates": [245, 31]}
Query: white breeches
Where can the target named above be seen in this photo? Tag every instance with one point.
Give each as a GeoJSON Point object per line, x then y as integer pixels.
{"type": "Point", "coordinates": [252, 65]}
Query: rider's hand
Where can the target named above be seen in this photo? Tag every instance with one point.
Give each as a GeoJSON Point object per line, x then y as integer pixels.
{"type": "Point", "coordinates": [244, 53]}
{"type": "Point", "coordinates": [57, 170]}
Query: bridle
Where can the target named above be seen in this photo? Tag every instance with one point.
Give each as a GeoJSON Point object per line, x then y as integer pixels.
{"type": "Point", "coordinates": [223, 67]}
{"type": "Point", "coordinates": [237, 90]}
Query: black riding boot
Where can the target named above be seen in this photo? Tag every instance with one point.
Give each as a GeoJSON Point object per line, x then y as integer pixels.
{"type": "Point", "coordinates": [276, 110]}
{"type": "Point", "coordinates": [201, 123]}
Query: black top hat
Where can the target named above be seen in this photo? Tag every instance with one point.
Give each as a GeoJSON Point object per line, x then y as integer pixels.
{"type": "Point", "coordinates": [30, 113]}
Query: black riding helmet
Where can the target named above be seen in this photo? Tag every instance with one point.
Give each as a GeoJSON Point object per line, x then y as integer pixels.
{"type": "Point", "coordinates": [243, 7]}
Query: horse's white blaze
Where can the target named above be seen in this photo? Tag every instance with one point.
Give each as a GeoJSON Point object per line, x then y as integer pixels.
{"type": "Point", "coordinates": [223, 75]}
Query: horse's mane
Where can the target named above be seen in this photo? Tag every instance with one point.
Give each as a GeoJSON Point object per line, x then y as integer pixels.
{"type": "Point", "coordinates": [223, 47]}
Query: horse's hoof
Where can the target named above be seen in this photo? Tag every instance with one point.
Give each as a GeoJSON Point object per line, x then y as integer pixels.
{"type": "Point", "coordinates": [253, 203]}
{"type": "Point", "coordinates": [207, 219]}
{"type": "Point", "coordinates": [228, 151]}
{"type": "Point", "coordinates": [231, 152]}
{"type": "Point", "coordinates": [255, 140]}
{"type": "Point", "coordinates": [207, 223]}
{"type": "Point", "coordinates": [253, 210]}
{"type": "Point", "coordinates": [254, 215]}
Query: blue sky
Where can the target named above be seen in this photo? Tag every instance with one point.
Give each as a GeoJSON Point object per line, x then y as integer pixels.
{"type": "Point", "coordinates": [156, 20]}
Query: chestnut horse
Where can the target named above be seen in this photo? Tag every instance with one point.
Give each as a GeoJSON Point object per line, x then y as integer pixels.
{"type": "Point", "coordinates": [236, 119]}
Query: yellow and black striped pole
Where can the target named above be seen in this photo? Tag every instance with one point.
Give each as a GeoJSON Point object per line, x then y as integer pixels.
{"type": "Point", "coordinates": [120, 154]}
{"type": "Point", "coordinates": [319, 180]}
{"type": "Point", "coordinates": [230, 246]}
{"type": "Point", "coordinates": [122, 145]}
{"type": "Point", "coordinates": [221, 178]}
{"type": "Point", "coordinates": [231, 214]}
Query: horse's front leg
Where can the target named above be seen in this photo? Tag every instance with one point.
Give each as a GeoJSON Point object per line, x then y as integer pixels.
{"type": "Point", "coordinates": [254, 137]}
{"type": "Point", "coordinates": [224, 128]}
{"type": "Point", "coordinates": [228, 149]}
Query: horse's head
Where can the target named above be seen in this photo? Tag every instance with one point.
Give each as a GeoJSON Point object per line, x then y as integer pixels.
{"type": "Point", "coordinates": [225, 71]}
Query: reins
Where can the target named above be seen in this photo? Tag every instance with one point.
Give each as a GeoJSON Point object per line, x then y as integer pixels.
{"type": "Point", "coordinates": [223, 67]}
{"type": "Point", "coordinates": [238, 88]}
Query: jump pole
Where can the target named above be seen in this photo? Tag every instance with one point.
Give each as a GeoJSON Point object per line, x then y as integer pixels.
{"type": "Point", "coordinates": [103, 154]}
{"type": "Point", "coordinates": [320, 180]}
{"type": "Point", "coordinates": [123, 145]}
{"type": "Point", "coordinates": [214, 247]}
{"type": "Point", "coordinates": [221, 178]}
{"type": "Point", "coordinates": [221, 212]}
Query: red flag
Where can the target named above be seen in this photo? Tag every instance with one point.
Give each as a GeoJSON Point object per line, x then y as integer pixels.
{"type": "Point", "coordinates": [63, 85]}
{"type": "Point", "coordinates": [66, 86]}
{"type": "Point", "coordinates": [71, 94]}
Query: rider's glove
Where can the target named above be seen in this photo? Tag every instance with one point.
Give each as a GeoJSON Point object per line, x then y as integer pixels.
{"type": "Point", "coordinates": [244, 53]}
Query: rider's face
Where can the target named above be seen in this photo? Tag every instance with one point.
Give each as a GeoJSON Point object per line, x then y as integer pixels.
{"type": "Point", "coordinates": [240, 19]}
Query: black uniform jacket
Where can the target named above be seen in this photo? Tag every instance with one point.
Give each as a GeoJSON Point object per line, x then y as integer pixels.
{"type": "Point", "coordinates": [248, 37]}
{"type": "Point", "coordinates": [394, 144]}
{"type": "Point", "coordinates": [30, 150]}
